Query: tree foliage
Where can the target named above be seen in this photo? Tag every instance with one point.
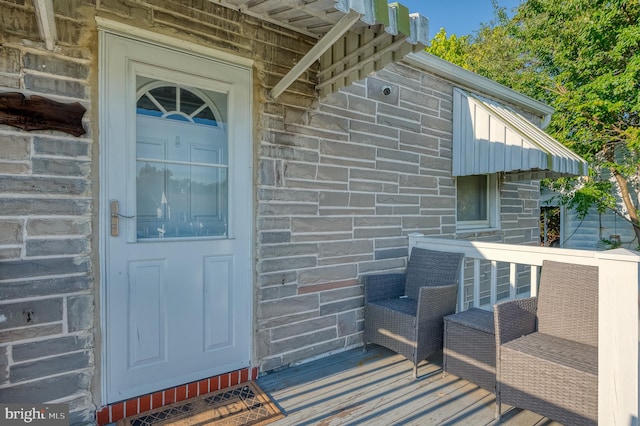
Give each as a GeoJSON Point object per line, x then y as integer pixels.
{"type": "Point", "coordinates": [583, 58]}
{"type": "Point", "coordinates": [453, 48]}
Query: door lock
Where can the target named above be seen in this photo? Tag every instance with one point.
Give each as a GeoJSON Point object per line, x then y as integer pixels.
{"type": "Point", "coordinates": [114, 218]}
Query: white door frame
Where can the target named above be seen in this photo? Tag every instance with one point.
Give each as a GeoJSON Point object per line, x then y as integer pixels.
{"type": "Point", "coordinates": [109, 28]}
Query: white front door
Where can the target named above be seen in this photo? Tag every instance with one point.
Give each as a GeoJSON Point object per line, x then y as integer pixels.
{"type": "Point", "coordinates": [177, 230]}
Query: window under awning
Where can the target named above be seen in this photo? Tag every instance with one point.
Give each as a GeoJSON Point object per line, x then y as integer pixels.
{"type": "Point", "coordinates": [491, 138]}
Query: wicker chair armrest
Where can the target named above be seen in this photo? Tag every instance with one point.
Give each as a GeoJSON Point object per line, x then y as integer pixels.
{"type": "Point", "coordinates": [515, 318]}
{"type": "Point", "coordinates": [437, 302]}
{"type": "Point", "coordinates": [383, 286]}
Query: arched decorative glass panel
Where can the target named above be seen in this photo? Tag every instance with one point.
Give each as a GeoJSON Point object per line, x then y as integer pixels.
{"type": "Point", "coordinates": [182, 162]}
{"type": "Point", "coordinates": [176, 103]}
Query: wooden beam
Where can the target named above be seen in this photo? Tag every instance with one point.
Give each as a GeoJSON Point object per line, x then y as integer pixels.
{"type": "Point", "coordinates": [46, 22]}
{"type": "Point", "coordinates": [325, 73]}
{"type": "Point", "coordinates": [39, 113]}
{"type": "Point", "coordinates": [397, 47]}
{"type": "Point", "coordinates": [316, 51]}
{"type": "Point", "coordinates": [376, 56]}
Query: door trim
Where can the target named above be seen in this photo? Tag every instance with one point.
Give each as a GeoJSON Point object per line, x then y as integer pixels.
{"type": "Point", "coordinates": [108, 29]}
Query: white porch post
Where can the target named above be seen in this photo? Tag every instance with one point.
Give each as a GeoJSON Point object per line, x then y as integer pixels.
{"type": "Point", "coordinates": [618, 338]}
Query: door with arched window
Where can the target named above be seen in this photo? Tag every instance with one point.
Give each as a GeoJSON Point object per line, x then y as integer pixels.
{"type": "Point", "coordinates": [178, 235]}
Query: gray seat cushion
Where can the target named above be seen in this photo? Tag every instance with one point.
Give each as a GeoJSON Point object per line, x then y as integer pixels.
{"type": "Point", "coordinates": [565, 353]}
{"type": "Point", "coordinates": [402, 305]}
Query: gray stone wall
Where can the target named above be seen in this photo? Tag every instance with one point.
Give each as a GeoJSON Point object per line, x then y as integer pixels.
{"type": "Point", "coordinates": [339, 185]}
{"type": "Point", "coordinates": [47, 241]}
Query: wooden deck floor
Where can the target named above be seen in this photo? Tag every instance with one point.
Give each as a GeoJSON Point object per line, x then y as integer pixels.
{"type": "Point", "coordinates": [377, 388]}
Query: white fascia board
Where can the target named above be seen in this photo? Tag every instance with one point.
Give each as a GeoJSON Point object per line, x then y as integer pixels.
{"type": "Point", "coordinates": [363, 7]}
{"type": "Point", "coordinates": [476, 82]}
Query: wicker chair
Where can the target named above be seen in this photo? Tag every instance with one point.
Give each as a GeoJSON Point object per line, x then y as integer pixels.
{"type": "Point", "coordinates": [547, 347]}
{"type": "Point", "coordinates": [404, 312]}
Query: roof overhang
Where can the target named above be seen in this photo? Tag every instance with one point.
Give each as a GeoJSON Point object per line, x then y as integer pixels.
{"type": "Point", "coordinates": [477, 83]}
{"type": "Point", "coordinates": [370, 35]}
{"type": "Point", "coordinates": [355, 37]}
{"type": "Point", "coordinates": [491, 138]}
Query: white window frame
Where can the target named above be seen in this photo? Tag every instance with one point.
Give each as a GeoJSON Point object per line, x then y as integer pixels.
{"type": "Point", "coordinates": [493, 208]}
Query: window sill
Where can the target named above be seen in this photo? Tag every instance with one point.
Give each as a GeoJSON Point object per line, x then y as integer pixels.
{"type": "Point", "coordinates": [467, 231]}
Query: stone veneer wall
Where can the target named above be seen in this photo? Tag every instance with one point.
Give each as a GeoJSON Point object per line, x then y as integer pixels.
{"type": "Point", "coordinates": [340, 187]}
{"type": "Point", "coordinates": [48, 262]}
{"type": "Point", "coordinates": [340, 183]}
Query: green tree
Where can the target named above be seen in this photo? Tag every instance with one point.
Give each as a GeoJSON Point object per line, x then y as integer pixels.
{"type": "Point", "coordinates": [453, 48]}
{"type": "Point", "coordinates": [583, 58]}
{"type": "Point", "coordinates": [591, 52]}
{"type": "Point", "coordinates": [494, 53]}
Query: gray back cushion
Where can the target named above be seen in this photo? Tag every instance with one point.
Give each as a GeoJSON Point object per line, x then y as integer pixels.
{"type": "Point", "coordinates": [568, 302]}
{"type": "Point", "coordinates": [431, 268]}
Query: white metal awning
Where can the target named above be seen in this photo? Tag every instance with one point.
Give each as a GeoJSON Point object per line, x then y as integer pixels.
{"type": "Point", "coordinates": [491, 138]}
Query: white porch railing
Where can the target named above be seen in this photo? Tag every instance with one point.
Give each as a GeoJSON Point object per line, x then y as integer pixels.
{"type": "Point", "coordinates": [618, 320]}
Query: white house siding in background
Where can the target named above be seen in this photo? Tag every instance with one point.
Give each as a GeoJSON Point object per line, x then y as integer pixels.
{"type": "Point", "coordinates": [588, 233]}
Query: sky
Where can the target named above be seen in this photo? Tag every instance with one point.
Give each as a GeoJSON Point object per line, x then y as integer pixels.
{"type": "Point", "coordinates": [460, 17]}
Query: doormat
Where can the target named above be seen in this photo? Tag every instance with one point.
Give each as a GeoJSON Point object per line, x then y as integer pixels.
{"type": "Point", "coordinates": [240, 405]}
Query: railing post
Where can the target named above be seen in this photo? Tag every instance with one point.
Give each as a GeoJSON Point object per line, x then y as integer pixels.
{"type": "Point", "coordinates": [412, 240]}
{"type": "Point", "coordinates": [535, 279]}
{"type": "Point", "coordinates": [618, 338]}
{"type": "Point", "coordinates": [476, 283]}
{"type": "Point", "coordinates": [461, 288]}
